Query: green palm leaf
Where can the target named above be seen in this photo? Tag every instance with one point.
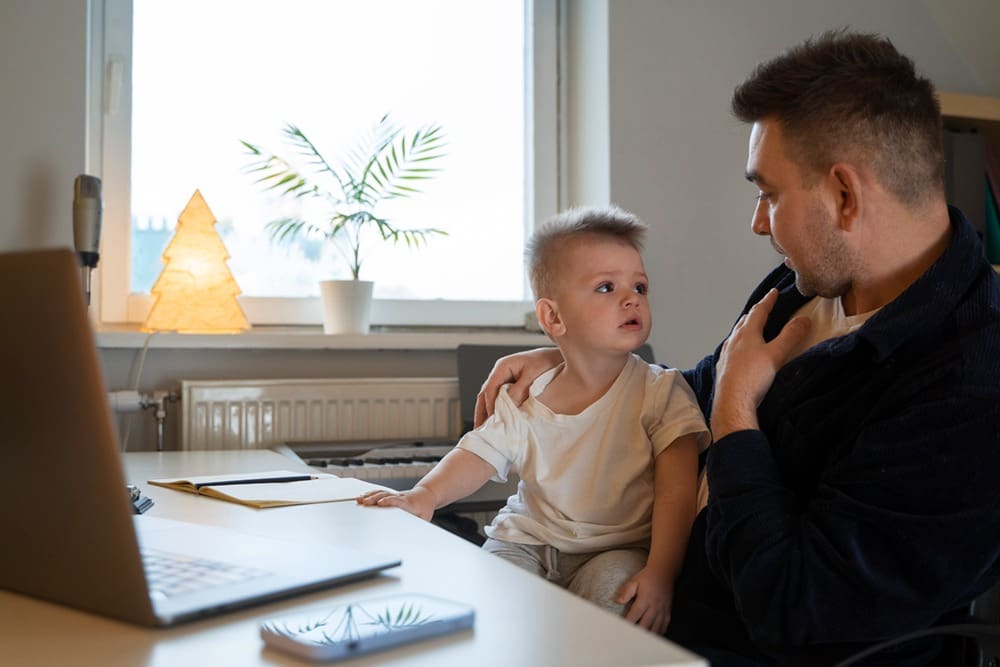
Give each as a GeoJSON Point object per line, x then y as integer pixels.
{"type": "Point", "coordinates": [273, 172]}
{"type": "Point", "coordinates": [289, 229]}
{"type": "Point", "coordinates": [384, 164]}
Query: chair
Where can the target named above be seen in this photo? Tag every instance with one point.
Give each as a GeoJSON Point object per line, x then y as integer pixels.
{"type": "Point", "coordinates": [973, 636]}
{"type": "Point", "coordinates": [983, 649]}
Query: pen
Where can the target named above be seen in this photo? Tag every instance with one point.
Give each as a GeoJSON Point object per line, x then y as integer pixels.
{"type": "Point", "coordinates": [260, 480]}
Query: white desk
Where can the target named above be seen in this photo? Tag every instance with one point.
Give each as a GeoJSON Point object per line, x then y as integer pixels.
{"type": "Point", "coordinates": [521, 620]}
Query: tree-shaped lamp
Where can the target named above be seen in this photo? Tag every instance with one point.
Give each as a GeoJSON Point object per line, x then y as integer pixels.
{"type": "Point", "coordinates": [195, 292]}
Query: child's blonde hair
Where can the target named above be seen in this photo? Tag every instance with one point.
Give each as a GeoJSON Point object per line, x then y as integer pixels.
{"type": "Point", "coordinates": [544, 245]}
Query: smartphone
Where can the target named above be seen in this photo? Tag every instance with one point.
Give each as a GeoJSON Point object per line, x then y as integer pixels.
{"type": "Point", "coordinates": [364, 626]}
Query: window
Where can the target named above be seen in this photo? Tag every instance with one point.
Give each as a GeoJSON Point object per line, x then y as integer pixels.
{"type": "Point", "coordinates": [184, 81]}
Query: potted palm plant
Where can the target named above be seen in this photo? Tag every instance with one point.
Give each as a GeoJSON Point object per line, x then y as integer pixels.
{"type": "Point", "coordinates": [386, 163]}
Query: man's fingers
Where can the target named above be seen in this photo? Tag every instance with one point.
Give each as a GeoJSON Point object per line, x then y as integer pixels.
{"type": "Point", "coordinates": [518, 390]}
{"type": "Point", "coordinates": [736, 329]}
{"type": "Point", "coordinates": [519, 370]}
{"type": "Point", "coordinates": [486, 399]}
{"type": "Point", "coordinates": [759, 312]}
{"type": "Point", "coordinates": [791, 336]}
{"type": "Point", "coordinates": [483, 409]}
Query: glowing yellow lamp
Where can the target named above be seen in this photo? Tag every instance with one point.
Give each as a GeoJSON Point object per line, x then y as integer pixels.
{"type": "Point", "coordinates": [195, 292]}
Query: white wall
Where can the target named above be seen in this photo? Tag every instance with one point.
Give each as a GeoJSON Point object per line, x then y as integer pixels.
{"type": "Point", "coordinates": [677, 157]}
{"type": "Point", "coordinates": [43, 74]}
{"type": "Point", "coordinates": [971, 26]}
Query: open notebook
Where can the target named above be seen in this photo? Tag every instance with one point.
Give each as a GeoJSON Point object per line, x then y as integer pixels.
{"type": "Point", "coordinates": [275, 488]}
{"type": "Point", "coordinates": [70, 533]}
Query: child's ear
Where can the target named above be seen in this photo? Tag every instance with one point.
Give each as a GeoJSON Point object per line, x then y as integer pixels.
{"type": "Point", "coordinates": [547, 312]}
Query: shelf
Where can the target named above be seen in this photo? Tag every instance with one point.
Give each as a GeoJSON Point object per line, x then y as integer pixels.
{"type": "Point", "coordinates": [976, 107]}
{"type": "Point", "coordinates": [973, 111]}
{"type": "Point", "coordinates": [312, 338]}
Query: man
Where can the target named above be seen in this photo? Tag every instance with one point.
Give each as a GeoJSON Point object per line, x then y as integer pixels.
{"type": "Point", "coordinates": [855, 406]}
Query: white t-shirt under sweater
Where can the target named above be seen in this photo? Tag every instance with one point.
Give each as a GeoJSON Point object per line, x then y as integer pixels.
{"type": "Point", "coordinates": [828, 321]}
{"type": "Point", "coordinates": [586, 479]}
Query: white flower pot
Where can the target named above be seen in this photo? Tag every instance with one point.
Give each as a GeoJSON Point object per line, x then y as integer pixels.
{"type": "Point", "coordinates": [347, 306]}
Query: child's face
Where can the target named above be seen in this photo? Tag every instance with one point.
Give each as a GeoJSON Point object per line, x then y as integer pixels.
{"type": "Point", "coordinates": [602, 295]}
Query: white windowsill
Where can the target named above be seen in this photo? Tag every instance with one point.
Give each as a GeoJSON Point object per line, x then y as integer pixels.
{"type": "Point", "coordinates": [313, 338]}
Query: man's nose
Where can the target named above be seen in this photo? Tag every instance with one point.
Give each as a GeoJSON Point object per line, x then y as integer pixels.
{"type": "Point", "coordinates": [761, 221]}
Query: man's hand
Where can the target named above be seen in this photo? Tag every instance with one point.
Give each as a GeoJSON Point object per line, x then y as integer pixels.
{"type": "Point", "coordinates": [418, 501]}
{"type": "Point", "coordinates": [519, 370]}
{"type": "Point", "coordinates": [651, 595]}
{"type": "Point", "coordinates": [747, 366]}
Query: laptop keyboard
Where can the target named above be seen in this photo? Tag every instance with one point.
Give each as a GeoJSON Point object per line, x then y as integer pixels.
{"type": "Point", "coordinates": [170, 574]}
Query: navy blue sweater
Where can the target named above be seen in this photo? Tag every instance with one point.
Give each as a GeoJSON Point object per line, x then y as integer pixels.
{"type": "Point", "coordinates": [868, 503]}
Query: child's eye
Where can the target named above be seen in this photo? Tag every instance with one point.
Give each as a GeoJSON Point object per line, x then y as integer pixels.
{"type": "Point", "coordinates": [641, 288]}
{"type": "Point", "coordinates": [763, 196]}
{"type": "Point", "coordinates": [605, 288]}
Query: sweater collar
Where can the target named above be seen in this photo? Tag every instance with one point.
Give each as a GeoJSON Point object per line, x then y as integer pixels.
{"type": "Point", "coordinates": [933, 296]}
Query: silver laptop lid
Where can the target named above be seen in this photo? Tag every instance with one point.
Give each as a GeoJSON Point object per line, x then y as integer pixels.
{"type": "Point", "coordinates": [65, 516]}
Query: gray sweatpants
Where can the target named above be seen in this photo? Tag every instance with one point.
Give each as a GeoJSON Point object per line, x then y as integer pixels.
{"type": "Point", "coordinates": [597, 576]}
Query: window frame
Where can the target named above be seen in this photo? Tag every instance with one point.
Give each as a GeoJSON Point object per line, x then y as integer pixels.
{"type": "Point", "coordinates": [108, 155]}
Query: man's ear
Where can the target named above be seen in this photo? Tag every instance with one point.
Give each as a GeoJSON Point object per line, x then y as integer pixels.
{"type": "Point", "coordinates": [547, 312]}
{"type": "Point", "coordinates": [845, 184]}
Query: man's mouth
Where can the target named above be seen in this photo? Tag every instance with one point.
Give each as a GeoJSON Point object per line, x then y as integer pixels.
{"type": "Point", "coordinates": [780, 251]}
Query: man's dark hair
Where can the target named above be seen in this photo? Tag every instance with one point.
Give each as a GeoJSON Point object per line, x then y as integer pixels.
{"type": "Point", "coordinates": [852, 97]}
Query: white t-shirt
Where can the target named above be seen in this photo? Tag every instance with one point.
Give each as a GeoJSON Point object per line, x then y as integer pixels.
{"type": "Point", "coordinates": [586, 479]}
{"type": "Point", "coordinates": [828, 321]}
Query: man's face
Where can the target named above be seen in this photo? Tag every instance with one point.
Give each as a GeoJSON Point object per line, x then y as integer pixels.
{"type": "Point", "coordinates": [602, 295]}
{"type": "Point", "coordinates": [800, 222]}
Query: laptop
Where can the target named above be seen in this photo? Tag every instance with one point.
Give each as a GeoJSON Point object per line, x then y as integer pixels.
{"type": "Point", "coordinates": [70, 534]}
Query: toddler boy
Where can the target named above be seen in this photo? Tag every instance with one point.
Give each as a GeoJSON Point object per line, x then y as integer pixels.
{"type": "Point", "coordinates": [606, 446]}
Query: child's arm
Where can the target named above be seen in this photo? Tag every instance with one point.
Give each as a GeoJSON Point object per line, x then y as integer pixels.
{"type": "Point", "coordinates": [459, 474]}
{"type": "Point", "coordinates": [675, 490]}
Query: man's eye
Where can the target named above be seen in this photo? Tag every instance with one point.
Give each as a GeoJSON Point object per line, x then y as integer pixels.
{"type": "Point", "coordinates": [763, 196]}
{"type": "Point", "coordinates": [605, 288]}
{"type": "Point", "coordinates": [641, 288]}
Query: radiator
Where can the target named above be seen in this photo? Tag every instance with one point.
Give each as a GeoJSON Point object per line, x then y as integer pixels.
{"type": "Point", "coordinates": [249, 414]}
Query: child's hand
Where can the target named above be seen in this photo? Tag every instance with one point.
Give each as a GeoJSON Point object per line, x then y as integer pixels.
{"type": "Point", "coordinates": [417, 501]}
{"type": "Point", "coordinates": [651, 594]}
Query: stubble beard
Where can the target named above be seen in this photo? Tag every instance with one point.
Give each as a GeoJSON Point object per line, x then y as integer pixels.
{"type": "Point", "coordinates": [830, 262]}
